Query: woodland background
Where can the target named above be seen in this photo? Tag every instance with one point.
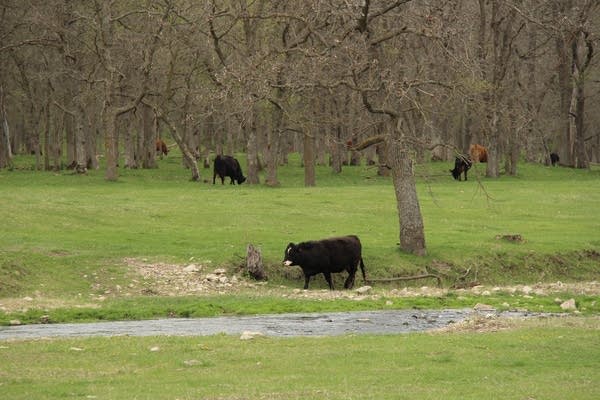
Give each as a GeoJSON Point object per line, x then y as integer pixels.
{"type": "Point", "coordinates": [89, 84]}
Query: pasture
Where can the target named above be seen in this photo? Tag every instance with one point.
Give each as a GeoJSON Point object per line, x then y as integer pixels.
{"type": "Point", "coordinates": [68, 242]}
{"type": "Point", "coordinates": [70, 248]}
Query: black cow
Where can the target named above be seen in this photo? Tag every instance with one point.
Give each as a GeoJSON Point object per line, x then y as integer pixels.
{"type": "Point", "coordinates": [228, 166]}
{"type": "Point", "coordinates": [461, 165]}
{"type": "Point", "coordinates": [327, 256]}
{"type": "Point", "coordinates": [554, 159]}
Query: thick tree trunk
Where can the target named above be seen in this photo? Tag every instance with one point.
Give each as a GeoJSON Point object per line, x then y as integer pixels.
{"type": "Point", "coordinates": [412, 232]}
{"type": "Point", "coordinates": [272, 150]}
{"type": "Point", "coordinates": [148, 138]}
{"type": "Point", "coordinates": [81, 146]}
{"type": "Point", "coordinates": [309, 160]}
{"type": "Point", "coordinates": [582, 52]}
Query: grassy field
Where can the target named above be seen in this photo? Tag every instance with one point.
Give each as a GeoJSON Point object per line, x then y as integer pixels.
{"type": "Point", "coordinates": [65, 237]}
{"type": "Point", "coordinates": [545, 359]}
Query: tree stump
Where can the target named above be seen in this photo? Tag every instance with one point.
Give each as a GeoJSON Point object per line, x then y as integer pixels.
{"type": "Point", "coordinates": [254, 264]}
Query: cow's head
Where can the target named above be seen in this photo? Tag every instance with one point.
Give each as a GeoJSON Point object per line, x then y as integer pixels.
{"type": "Point", "coordinates": [240, 179]}
{"type": "Point", "coordinates": [456, 173]}
{"type": "Point", "coordinates": [290, 257]}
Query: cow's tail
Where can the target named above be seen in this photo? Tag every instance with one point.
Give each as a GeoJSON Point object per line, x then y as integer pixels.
{"type": "Point", "coordinates": [362, 268]}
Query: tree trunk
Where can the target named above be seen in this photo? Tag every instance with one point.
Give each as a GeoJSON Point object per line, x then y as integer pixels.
{"type": "Point", "coordinates": [148, 138]}
{"type": "Point", "coordinates": [109, 126]}
{"type": "Point", "coordinates": [412, 233]}
{"type": "Point", "coordinates": [254, 264]}
{"type": "Point", "coordinates": [47, 124]}
{"type": "Point", "coordinates": [252, 150]}
{"type": "Point", "coordinates": [582, 51]}
{"type": "Point", "coordinates": [272, 150]}
{"type": "Point", "coordinates": [309, 160]}
{"type": "Point", "coordinates": [5, 145]}
{"type": "Point", "coordinates": [187, 153]}
{"type": "Point", "coordinates": [565, 88]}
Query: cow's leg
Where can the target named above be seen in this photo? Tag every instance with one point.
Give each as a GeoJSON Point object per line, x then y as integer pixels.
{"type": "Point", "coordinates": [327, 276]}
{"type": "Point", "coordinates": [306, 280]}
{"type": "Point", "coordinates": [350, 280]}
{"type": "Point", "coordinates": [214, 176]}
{"type": "Point", "coordinates": [466, 174]}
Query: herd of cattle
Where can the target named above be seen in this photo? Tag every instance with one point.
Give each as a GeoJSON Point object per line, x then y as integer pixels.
{"type": "Point", "coordinates": [478, 154]}
{"type": "Point", "coordinates": [336, 254]}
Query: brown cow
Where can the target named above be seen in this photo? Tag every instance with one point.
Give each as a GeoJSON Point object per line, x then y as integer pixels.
{"type": "Point", "coordinates": [478, 153]}
{"type": "Point", "coordinates": [161, 148]}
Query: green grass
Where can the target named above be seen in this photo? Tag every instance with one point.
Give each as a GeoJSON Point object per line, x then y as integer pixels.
{"type": "Point", "coordinates": [554, 359]}
{"type": "Point", "coordinates": [60, 230]}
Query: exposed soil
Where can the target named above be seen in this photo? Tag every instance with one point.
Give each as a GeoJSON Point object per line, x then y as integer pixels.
{"type": "Point", "coordinates": [194, 279]}
{"type": "Point", "coordinates": [165, 279]}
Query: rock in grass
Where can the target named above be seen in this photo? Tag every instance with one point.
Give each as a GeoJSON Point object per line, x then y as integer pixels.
{"type": "Point", "coordinates": [191, 268]}
{"type": "Point", "coordinates": [249, 335]}
{"type": "Point", "coordinates": [363, 289]}
{"type": "Point", "coordinates": [569, 305]}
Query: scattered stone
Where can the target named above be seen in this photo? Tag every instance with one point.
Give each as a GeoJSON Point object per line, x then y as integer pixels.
{"type": "Point", "coordinates": [363, 289]}
{"type": "Point", "coordinates": [191, 268]}
{"type": "Point", "coordinates": [191, 363]}
{"type": "Point", "coordinates": [76, 349]}
{"type": "Point", "coordinates": [249, 335]}
{"type": "Point", "coordinates": [220, 271]}
{"type": "Point", "coordinates": [212, 278]}
{"type": "Point", "coordinates": [27, 298]}
{"type": "Point", "coordinates": [526, 289]}
{"type": "Point", "coordinates": [45, 319]}
{"type": "Point", "coordinates": [569, 305]}
{"type": "Point", "coordinates": [14, 322]}
{"type": "Point", "coordinates": [483, 307]}
{"type": "Point", "coordinates": [155, 348]}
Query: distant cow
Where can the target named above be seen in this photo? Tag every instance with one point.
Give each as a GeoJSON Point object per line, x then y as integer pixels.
{"type": "Point", "coordinates": [325, 257]}
{"type": "Point", "coordinates": [161, 148]}
{"type": "Point", "coordinates": [478, 153]}
{"type": "Point", "coordinates": [461, 165]}
{"type": "Point", "coordinates": [554, 159]}
{"type": "Point", "coordinates": [228, 166]}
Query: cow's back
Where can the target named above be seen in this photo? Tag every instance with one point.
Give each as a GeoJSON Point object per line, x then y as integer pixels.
{"type": "Point", "coordinates": [342, 251]}
{"type": "Point", "coordinates": [478, 153]}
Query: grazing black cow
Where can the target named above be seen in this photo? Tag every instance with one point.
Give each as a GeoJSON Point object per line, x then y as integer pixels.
{"type": "Point", "coordinates": [554, 159]}
{"type": "Point", "coordinates": [228, 166]}
{"type": "Point", "coordinates": [461, 165]}
{"type": "Point", "coordinates": [325, 257]}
